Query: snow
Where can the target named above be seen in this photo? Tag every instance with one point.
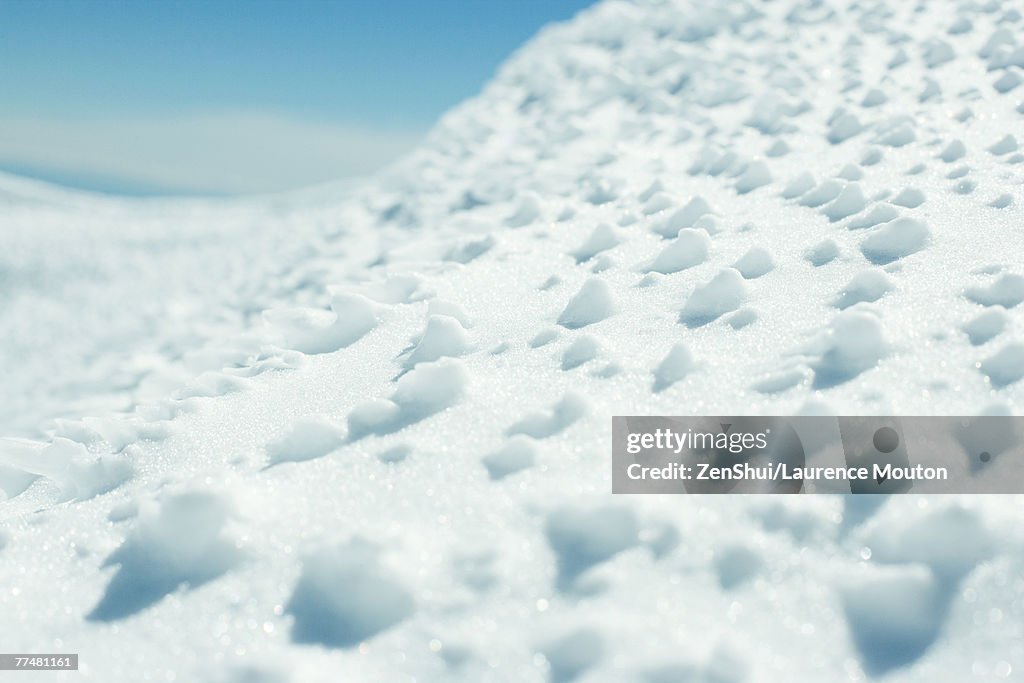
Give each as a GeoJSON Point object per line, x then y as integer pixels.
{"type": "Point", "coordinates": [582, 538]}
{"type": "Point", "coordinates": [311, 330]}
{"type": "Point", "coordinates": [895, 240]}
{"type": "Point", "coordinates": [950, 541]}
{"type": "Point", "coordinates": [736, 565]}
{"type": "Point", "coordinates": [181, 543]}
{"type": "Point", "coordinates": [593, 303]}
{"type": "Point", "coordinates": [869, 285]}
{"type": "Point", "coordinates": [822, 194]}
{"type": "Point", "coordinates": [544, 337]}
{"type": "Point", "coordinates": [755, 263]}
{"type": "Point", "coordinates": [77, 473]}
{"type": "Point", "coordinates": [855, 342]}
{"type": "Point", "coordinates": [527, 212]}
{"type": "Point", "coordinates": [673, 367]}
{"type": "Point", "coordinates": [516, 455]}
{"type": "Point", "coordinates": [573, 653]}
{"type": "Point", "coordinates": [895, 614]}
{"type": "Point", "coordinates": [344, 597]}
{"type": "Point", "coordinates": [429, 388]}
{"type": "Point", "coordinates": [851, 200]}
{"type": "Point", "coordinates": [582, 350]}
{"type": "Point", "coordinates": [689, 248]}
{"type": "Point", "coordinates": [685, 217]}
{"type": "Point", "coordinates": [1007, 82]}
{"type": "Point", "coordinates": [909, 197]}
{"type": "Point", "coordinates": [823, 252]}
{"type": "Point", "coordinates": [713, 299]}
{"type": "Point", "coordinates": [308, 438]}
{"type": "Point", "coordinates": [756, 175]}
{"type": "Point", "coordinates": [1007, 291]}
{"type": "Point", "coordinates": [1005, 145]}
{"type": "Point", "coordinates": [442, 336]}
{"type": "Point", "coordinates": [1006, 366]}
{"type": "Point", "coordinates": [540, 425]}
{"type": "Point", "coordinates": [603, 238]}
{"type": "Point", "coordinates": [365, 429]}
{"type": "Point", "coordinates": [953, 151]}
{"type": "Point", "coordinates": [986, 325]}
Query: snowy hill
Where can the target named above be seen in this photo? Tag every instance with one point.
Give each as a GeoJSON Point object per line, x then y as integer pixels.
{"type": "Point", "coordinates": [304, 437]}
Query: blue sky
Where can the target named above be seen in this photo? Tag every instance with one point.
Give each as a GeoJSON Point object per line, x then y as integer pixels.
{"type": "Point", "coordinates": [229, 96]}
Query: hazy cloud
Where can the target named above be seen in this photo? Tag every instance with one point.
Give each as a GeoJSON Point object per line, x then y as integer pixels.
{"type": "Point", "coordinates": [219, 153]}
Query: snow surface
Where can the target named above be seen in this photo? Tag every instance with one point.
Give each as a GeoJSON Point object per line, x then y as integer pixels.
{"type": "Point", "coordinates": [363, 433]}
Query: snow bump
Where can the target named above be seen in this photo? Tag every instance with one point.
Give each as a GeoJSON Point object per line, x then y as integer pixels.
{"type": "Point", "coordinates": [867, 286]}
{"type": "Point", "coordinates": [1006, 366]}
{"type": "Point", "coordinates": [422, 392]}
{"type": "Point", "coordinates": [1007, 291]}
{"type": "Point", "coordinates": [690, 248]}
{"type": "Point", "coordinates": [344, 596]}
{"type": "Point", "coordinates": [673, 367]}
{"type": "Point", "coordinates": [724, 293]}
{"type": "Point", "coordinates": [307, 439]}
{"type": "Point", "coordinates": [179, 544]}
{"type": "Point", "coordinates": [592, 304]}
{"type": "Point", "coordinates": [584, 537]}
{"type": "Point", "coordinates": [895, 240]}
{"type": "Point", "coordinates": [854, 343]}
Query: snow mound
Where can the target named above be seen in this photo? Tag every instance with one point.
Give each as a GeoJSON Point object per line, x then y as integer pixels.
{"type": "Point", "coordinates": [592, 304]}
{"type": "Point", "coordinates": [722, 294]}
{"type": "Point", "coordinates": [307, 439]}
{"type": "Point", "coordinates": [690, 248]}
{"type": "Point", "coordinates": [544, 337]}
{"type": "Point", "coordinates": [569, 409]}
{"type": "Point", "coordinates": [754, 176]}
{"type": "Point", "coordinates": [736, 565]}
{"type": "Point", "coordinates": [986, 326]}
{"type": "Point", "coordinates": [344, 597]}
{"type": "Point", "coordinates": [573, 653]}
{"type": "Point", "coordinates": [909, 197]}
{"type": "Point", "coordinates": [854, 344]}
{"type": "Point", "coordinates": [951, 541]}
{"type": "Point", "coordinates": [822, 194]}
{"type": "Point", "coordinates": [868, 285]}
{"type": "Point", "coordinates": [426, 390]}
{"type": "Point", "coordinates": [603, 238]}
{"type": "Point", "coordinates": [673, 367]}
{"type": "Point", "coordinates": [1007, 291]}
{"type": "Point", "coordinates": [684, 217]}
{"type": "Point", "coordinates": [880, 213]}
{"type": "Point", "coordinates": [1006, 366]}
{"type": "Point", "coordinates": [894, 614]}
{"type": "Point", "coordinates": [316, 331]}
{"type": "Point", "coordinates": [583, 538]}
{"type": "Point", "coordinates": [823, 252]}
{"type": "Point", "coordinates": [756, 262]}
{"type": "Point", "coordinates": [77, 473]}
{"type": "Point", "coordinates": [516, 455]}
{"type": "Point", "coordinates": [582, 350]}
{"type": "Point", "coordinates": [180, 544]}
{"type": "Point", "coordinates": [468, 250]}
{"type": "Point", "coordinates": [897, 612]}
{"type": "Point", "coordinates": [894, 240]}
{"type": "Point", "coordinates": [850, 200]}
{"type": "Point", "coordinates": [443, 336]}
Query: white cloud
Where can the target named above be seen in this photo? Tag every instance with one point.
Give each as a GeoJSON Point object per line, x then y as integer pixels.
{"type": "Point", "coordinates": [222, 152]}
